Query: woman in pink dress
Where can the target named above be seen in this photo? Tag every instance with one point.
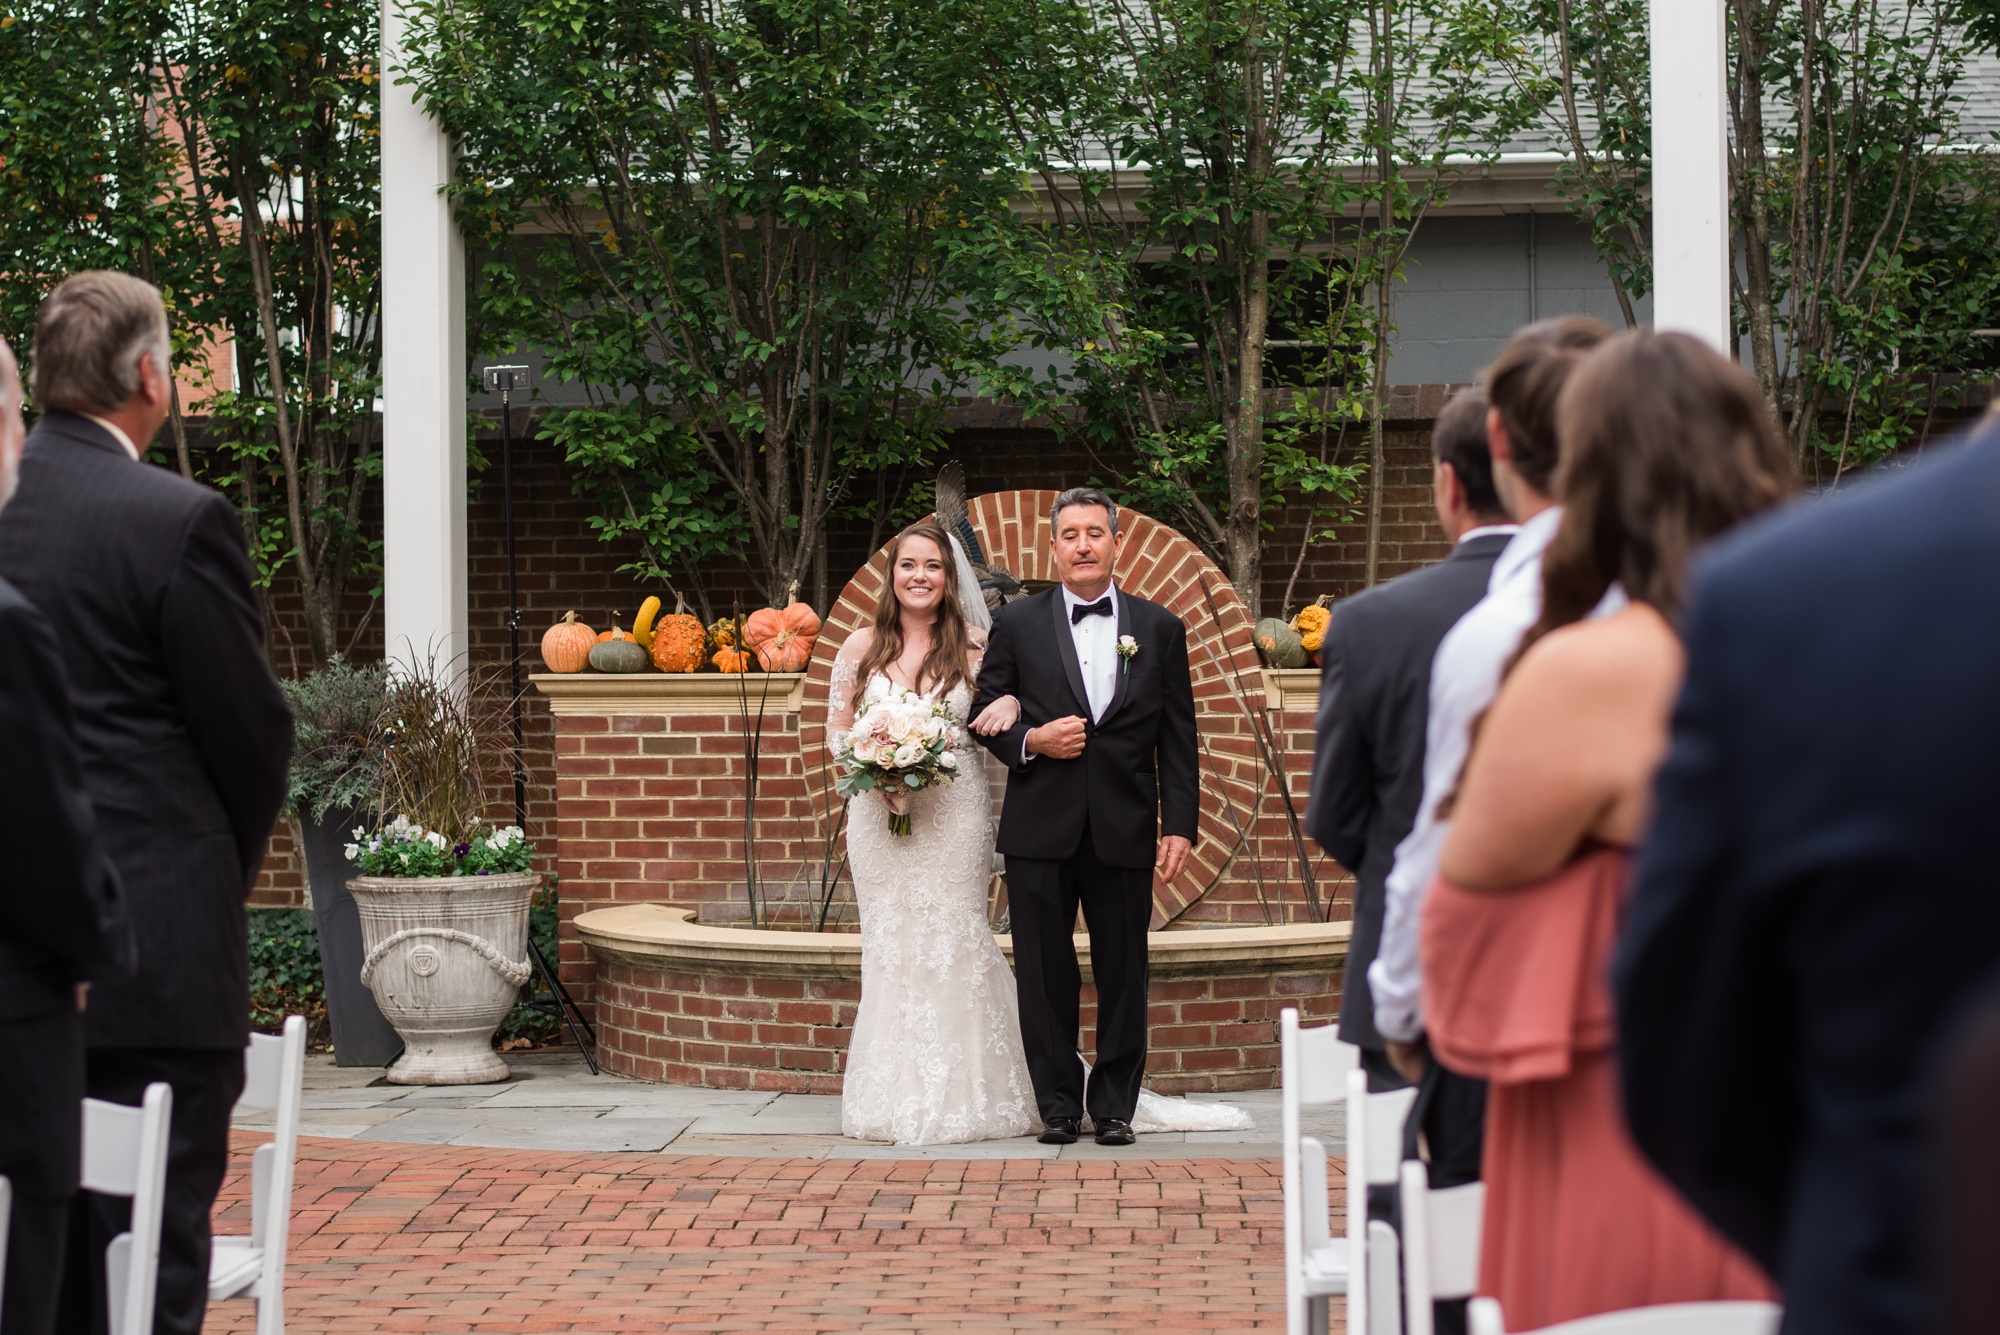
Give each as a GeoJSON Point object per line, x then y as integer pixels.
{"type": "Point", "coordinates": [1664, 445]}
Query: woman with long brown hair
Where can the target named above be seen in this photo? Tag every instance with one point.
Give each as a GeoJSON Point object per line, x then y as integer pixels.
{"type": "Point", "coordinates": [936, 1055]}
{"type": "Point", "coordinates": [1664, 446]}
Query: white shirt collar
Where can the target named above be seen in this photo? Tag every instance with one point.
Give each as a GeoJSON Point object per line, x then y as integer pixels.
{"type": "Point", "coordinates": [1487, 531]}
{"type": "Point", "coordinates": [117, 434]}
{"type": "Point", "coordinates": [1071, 600]}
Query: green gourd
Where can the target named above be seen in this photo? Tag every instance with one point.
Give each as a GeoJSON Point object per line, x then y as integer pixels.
{"type": "Point", "coordinates": [1279, 642]}
{"type": "Point", "coordinates": [620, 653]}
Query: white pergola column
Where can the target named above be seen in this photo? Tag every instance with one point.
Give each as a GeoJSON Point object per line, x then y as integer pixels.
{"type": "Point", "coordinates": [423, 380]}
{"type": "Point", "coordinates": [1691, 170]}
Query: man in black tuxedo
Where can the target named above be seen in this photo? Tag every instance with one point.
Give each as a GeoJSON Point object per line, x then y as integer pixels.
{"type": "Point", "coordinates": [1103, 790]}
{"type": "Point", "coordinates": [185, 738]}
{"type": "Point", "coordinates": [62, 922]}
{"type": "Point", "coordinates": [1374, 701]}
{"type": "Point", "coordinates": [1815, 904]}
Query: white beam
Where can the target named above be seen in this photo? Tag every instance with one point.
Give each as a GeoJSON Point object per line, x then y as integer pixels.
{"type": "Point", "coordinates": [1690, 170]}
{"type": "Point", "coordinates": [423, 379]}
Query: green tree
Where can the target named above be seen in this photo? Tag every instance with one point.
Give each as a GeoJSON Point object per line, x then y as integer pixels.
{"type": "Point", "coordinates": [274, 108]}
{"type": "Point", "coordinates": [741, 228]}
{"type": "Point", "coordinates": [1871, 250]}
{"type": "Point", "coordinates": [227, 151]}
{"type": "Point", "coordinates": [1225, 193]}
{"type": "Point", "coordinates": [87, 180]}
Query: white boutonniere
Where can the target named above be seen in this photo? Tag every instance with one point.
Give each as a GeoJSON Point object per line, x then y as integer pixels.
{"type": "Point", "coordinates": [1127, 647]}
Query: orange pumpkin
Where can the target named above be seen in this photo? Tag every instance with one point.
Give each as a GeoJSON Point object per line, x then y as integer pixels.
{"type": "Point", "coordinates": [678, 640]}
{"type": "Point", "coordinates": [566, 645]}
{"type": "Point", "coordinates": [732, 660]}
{"type": "Point", "coordinates": [613, 633]}
{"type": "Point", "coordinates": [783, 640]}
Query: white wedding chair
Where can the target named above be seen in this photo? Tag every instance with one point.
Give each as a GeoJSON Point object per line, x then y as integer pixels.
{"type": "Point", "coordinates": [273, 1077]}
{"type": "Point", "coordinates": [1374, 1154]}
{"type": "Point", "coordinates": [125, 1154]}
{"type": "Point", "coordinates": [1739, 1318]}
{"type": "Point", "coordinates": [1441, 1229]}
{"type": "Point", "coordinates": [1319, 1070]}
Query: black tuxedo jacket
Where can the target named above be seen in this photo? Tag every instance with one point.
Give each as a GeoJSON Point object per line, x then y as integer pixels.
{"type": "Point", "coordinates": [1816, 902]}
{"type": "Point", "coordinates": [185, 735]}
{"type": "Point", "coordinates": [62, 910]}
{"type": "Point", "coordinates": [1368, 762]}
{"type": "Point", "coordinates": [1138, 776]}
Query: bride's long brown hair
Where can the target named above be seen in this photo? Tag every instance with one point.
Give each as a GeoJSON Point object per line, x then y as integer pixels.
{"type": "Point", "coordinates": [947, 663]}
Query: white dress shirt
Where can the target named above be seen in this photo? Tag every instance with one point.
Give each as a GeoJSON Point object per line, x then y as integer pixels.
{"type": "Point", "coordinates": [1465, 676]}
{"type": "Point", "coordinates": [117, 434]}
{"type": "Point", "coordinates": [1096, 641]}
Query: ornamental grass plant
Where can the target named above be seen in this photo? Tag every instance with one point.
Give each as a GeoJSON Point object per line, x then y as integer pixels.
{"type": "Point", "coordinates": [434, 744]}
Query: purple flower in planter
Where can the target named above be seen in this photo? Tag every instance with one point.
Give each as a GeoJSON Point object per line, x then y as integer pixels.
{"type": "Point", "coordinates": [460, 850]}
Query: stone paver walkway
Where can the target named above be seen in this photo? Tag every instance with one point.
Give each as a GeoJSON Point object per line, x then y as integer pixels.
{"type": "Point", "coordinates": [554, 1103]}
{"type": "Point", "coordinates": [449, 1238]}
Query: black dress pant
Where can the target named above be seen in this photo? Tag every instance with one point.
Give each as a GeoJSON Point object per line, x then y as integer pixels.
{"type": "Point", "coordinates": [206, 1083]}
{"type": "Point", "coordinates": [41, 1153]}
{"type": "Point", "coordinates": [1042, 898]}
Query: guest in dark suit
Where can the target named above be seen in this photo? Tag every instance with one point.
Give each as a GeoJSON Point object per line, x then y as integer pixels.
{"type": "Point", "coordinates": [61, 923]}
{"type": "Point", "coordinates": [1374, 700]}
{"type": "Point", "coordinates": [1104, 788]}
{"type": "Point", "coordinates": [185, 739]}
{"type": "Point", "coordinates": [1815, 905]}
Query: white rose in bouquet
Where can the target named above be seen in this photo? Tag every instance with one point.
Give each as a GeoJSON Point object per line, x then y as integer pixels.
{"type": "Point", "coordinates": [948, 761]}
{"type": "Point", "coordinates": [908, 754]}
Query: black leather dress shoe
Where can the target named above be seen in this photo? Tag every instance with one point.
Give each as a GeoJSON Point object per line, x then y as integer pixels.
{"type": "Point", "coordinates": [1111, 1131]}
{"type": "Point", "coordinates": [1060, 1131]}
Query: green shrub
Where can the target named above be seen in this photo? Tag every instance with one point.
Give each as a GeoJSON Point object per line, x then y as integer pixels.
{"type": "Point", "coordinates": [285, 973]}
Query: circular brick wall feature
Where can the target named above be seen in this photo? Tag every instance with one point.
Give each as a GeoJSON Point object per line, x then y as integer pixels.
{"type": "Point", "coordinates": [1157, 563]}
{"type": "Point", "coordinates": [737, 1008]}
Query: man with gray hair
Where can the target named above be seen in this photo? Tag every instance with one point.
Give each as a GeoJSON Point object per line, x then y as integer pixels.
{"type": "Point", "coordinates": [185, 739]}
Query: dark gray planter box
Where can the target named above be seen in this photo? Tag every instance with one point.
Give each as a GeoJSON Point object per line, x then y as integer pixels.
{"type": "Point", "coordinates": [361, 1036]}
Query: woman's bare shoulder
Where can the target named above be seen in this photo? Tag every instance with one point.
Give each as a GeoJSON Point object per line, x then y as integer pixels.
{"type": "Point", "coordinates": [1607, 656]}
{"type": "Point", "coordinates": [857, 642]}
{"type": "Point", "coordinates": [975, 637]}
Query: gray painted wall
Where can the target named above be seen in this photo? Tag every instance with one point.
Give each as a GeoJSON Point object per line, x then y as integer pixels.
{"type": "Point", "coordinates": [1471, 282]}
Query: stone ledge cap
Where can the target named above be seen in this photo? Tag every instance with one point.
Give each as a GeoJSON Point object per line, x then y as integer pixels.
{"type": "Point", "coordinates": [654, 692]}
{"type": "Point", "coordinates": [664, 937]}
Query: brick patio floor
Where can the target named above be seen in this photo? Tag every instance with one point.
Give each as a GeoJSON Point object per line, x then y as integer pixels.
{"type": "Point", "coordinates": [448, 1238]}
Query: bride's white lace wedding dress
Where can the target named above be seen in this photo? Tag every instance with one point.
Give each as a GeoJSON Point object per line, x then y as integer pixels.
{"type": "Point", "coordinates": [936, 1055]}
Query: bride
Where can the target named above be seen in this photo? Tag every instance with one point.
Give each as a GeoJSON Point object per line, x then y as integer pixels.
{"type": "Point", "coordinates": [936, 1055]}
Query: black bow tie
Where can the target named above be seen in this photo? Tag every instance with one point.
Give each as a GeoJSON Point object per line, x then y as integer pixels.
{"type": "Point", "coordinates": [1100, 608]}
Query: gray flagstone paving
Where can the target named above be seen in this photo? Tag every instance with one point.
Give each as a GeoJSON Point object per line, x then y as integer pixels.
{"type": "Point", "coordinates": [553, 1102]}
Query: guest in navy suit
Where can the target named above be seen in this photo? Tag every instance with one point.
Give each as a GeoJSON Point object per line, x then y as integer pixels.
{"type": "Point", "coordinates": [1816, 905]}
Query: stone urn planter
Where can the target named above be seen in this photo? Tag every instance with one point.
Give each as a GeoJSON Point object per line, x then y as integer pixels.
{"type": "Point", "coordinates": [447, 956]}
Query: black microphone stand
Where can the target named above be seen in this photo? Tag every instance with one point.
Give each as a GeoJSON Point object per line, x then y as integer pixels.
{"type": "Point", "coordinates": [560, 1004]}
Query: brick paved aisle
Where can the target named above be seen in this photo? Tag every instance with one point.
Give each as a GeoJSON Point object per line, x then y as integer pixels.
{"type": "Point", "coordinates": [450, 1238]}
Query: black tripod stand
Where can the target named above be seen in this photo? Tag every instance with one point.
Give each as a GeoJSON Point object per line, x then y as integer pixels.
{"type": "Point", "coordinates": [507, 379]}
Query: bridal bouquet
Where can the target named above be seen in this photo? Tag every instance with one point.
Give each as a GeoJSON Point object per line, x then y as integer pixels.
{"type": "Point", "coordinates": [898, 746]}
